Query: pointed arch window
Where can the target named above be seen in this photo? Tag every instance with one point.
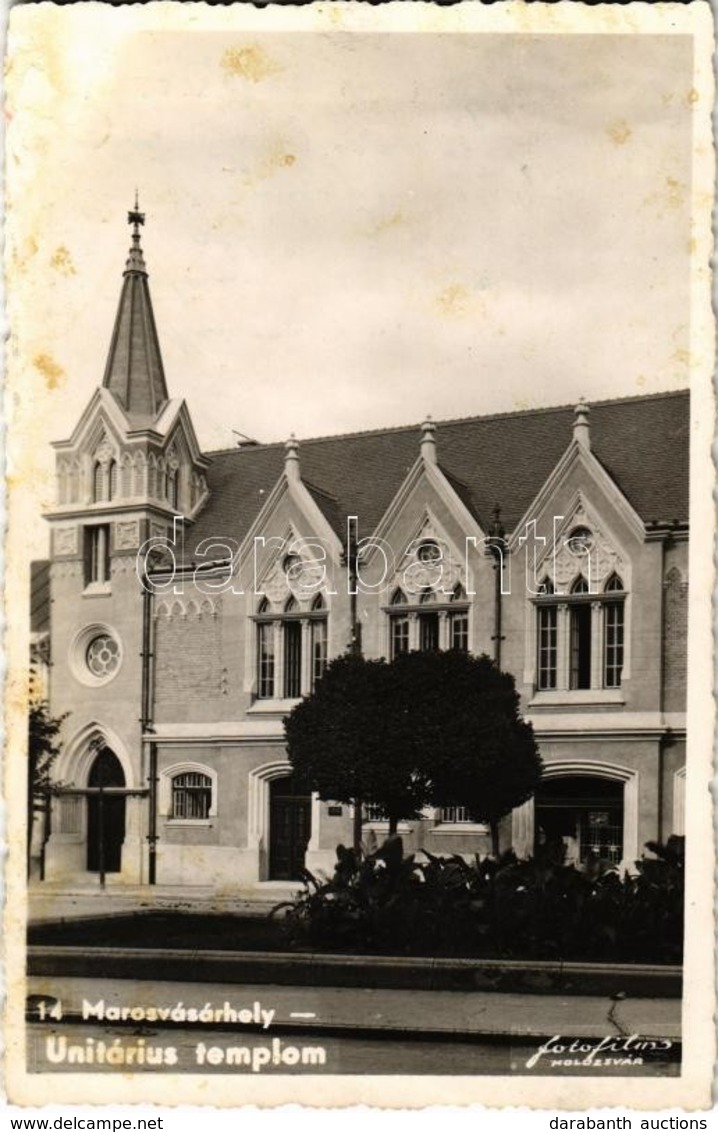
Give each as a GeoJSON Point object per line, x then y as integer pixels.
{"type": "Point", "coordinates": [581, 637]}
{"type": "Point", "coordinates": [292, 652]}
{"type": "Point", "coordinates": [173, 490]}
{"type": "Point", "coordinates": [318, 639]}
{"type": "Point", "coordinates": [398, 625]}
{"type": "Point", "coordinates": [547, 640]}
{"type": "Point", "coordinates": [98, 482]}
{"type": "Point", "coordinates": [459, 620]}
{"type": "Point", "coordinates": [265, 654]}
{"type": "Point", "coordinates": [292, 648]}
{"type": "Point", "coordinates": [613, 633]}
{"type": "Point", "coordinates": [112, 480]}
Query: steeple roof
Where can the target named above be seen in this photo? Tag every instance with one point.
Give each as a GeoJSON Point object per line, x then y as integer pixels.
{"type": "Point", "coordinates": [134, 373]}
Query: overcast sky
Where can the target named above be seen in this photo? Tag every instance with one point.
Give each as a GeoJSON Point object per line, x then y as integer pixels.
{"type": "Point", "coordinates": [350, 231]}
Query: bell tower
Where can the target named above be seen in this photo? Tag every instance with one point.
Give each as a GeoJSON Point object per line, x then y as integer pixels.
{"type": "Point", "coordinates": [131, 466]}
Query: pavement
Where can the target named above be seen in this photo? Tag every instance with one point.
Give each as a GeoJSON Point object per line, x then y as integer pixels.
{"type": "Point", "coordinates": [49, 903]}
{"type": "Point", "coordinates": [355, 1010]}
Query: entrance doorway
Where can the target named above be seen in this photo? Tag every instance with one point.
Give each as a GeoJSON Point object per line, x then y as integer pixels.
{"type": "Point", "coordinates": [582, 814]}
{"type": "Point", "coordinates": [105, 815]}
{"type": "Point", "coordinates": [290, 827]}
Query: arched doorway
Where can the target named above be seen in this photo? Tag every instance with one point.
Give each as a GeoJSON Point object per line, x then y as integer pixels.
{"type": "Point", "coordinates": [290, 827]}
{"type": "Point", "coordinates": [584, 815]}
{"type": "Point", "coordinates": [105, 814]}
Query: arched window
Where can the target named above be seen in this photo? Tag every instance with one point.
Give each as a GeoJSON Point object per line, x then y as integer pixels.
{"type": "Point", "coordinates": [191, 796]}
{"type": "Point", "coordinates": [398, 625]}
{"type": "Point", "coordinates": [112, 479]}
{"type": "Point", "coordinates": [292, 632]}
{"type": "Point", "coordinates": [98, 482]}
{"type": "Point", "coordinates": [265, 653]}
{"type": "Point", "coordinates": [547, 638]}
{"type": "Point", "coordinates": [459, 620]}
{"type": "Point", "coordinates": [613, 634]}
{"type": "Point", "coordinates": [292, 648]}
{"type": "Point", "coordinates": [586, 649]}
{"type": "Point", "coordinates": [581, 635]}
{"type": "Point", "coordinates": [173, 490]}
{"type": "Point", "coordinates": [318, 639]}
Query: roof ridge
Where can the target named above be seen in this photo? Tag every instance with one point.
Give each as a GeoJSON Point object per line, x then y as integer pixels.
{"type": "Point", "coordinates": [504, 414]}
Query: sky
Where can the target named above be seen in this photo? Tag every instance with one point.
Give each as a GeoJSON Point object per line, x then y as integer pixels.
{"type": "Point", "coordinates": [345, 230]}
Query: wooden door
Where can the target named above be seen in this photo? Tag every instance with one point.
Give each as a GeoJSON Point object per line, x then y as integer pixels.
{"type": "Point", "coordinates": [290, 827]}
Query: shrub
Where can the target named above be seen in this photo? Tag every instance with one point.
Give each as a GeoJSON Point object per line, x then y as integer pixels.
{"type": "Point", "coordinates": [385, 903]}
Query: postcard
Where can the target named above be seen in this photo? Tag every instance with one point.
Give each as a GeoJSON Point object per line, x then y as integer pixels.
{"type": "Point", "coordinates": [358, 419]}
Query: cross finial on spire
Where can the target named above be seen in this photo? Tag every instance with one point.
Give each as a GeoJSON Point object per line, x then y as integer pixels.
{"type": "Point", "coordinates": [135, 217]}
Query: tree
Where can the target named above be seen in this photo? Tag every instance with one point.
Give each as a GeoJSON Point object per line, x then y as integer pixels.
{"type": "Point", "coordinates": [43, 750]}
{"type": "Point", "coordinates": [487, 757]}
{"type": "Point", "coordinates": [348, 741]}
{"type": "Point", "coordinates": [439, 728]}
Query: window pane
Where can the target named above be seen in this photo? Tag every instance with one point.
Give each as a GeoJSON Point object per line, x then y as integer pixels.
{"type": "Point", "coordinates": [547, 651]}
{"type": "Point", "coordinates": [428, 632]}
{"type": "Point", "coordinates": [399, 635]}
{"type": "Point", "coordinates": [613, 644]}
{"type": "Point", "coordinates": [459, 631]}
{"type": "Point", "coordinates": [265, 660]}
{"type": "Point", "coordinates": [292, 660]}
{"type": "Point", "coordinates": [191, 795]}
{"type": "Point", "coordinates": [454, 814]}
{"type": "Point", "coordinates": [319, 649]}
{"type": "Point", "coordinates": [581, 646]}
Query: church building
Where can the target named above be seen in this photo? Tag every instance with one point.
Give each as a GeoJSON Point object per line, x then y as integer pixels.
{"type": "Point", "coordinates": [194, 597]}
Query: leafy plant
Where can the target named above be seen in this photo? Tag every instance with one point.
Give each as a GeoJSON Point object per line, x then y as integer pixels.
{"type": "Point", "coordinates": [506, 908]}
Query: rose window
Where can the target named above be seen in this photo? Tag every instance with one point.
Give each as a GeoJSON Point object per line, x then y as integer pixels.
{"type": "Point", "coordinates": [103, 656]}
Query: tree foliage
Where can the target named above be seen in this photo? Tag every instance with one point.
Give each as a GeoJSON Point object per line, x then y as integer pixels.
{"type": "Point", "coordinates": [431, 728]}
{"type": "Point", "coordinates": [43, 749]}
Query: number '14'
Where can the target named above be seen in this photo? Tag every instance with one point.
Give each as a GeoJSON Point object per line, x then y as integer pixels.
{"type": "Point", "coordinates": [46, 1010]}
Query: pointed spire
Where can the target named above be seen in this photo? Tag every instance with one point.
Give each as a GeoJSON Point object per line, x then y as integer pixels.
{"type": "Point", "coordinates": [581, 426]}
{"type": "Point", "coordinates": [428, 443]}
{"type": "Point", "coordinates": [291, 459]}
{"type": "Point", "coordinates": [134, 372]}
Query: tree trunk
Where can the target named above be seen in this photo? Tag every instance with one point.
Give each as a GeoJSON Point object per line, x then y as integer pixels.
{"type": "Point", "coordinates": [357, 826]}
{"type": "Point", "coordinates": [494, 838]}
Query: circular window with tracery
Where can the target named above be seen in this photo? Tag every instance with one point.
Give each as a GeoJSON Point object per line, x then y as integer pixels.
{"type": "Point", "coordinates": [580, 541]}
{"type": "Point", "coordinates": [95, 655]}
{"type": "Point", "coordinates": [103, 656]}
{"type": "Point", "coordinates": [428, 551]}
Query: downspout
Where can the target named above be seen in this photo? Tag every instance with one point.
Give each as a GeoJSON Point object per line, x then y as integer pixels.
{"type": "Point", "coordinates": [350, 558]}
{"type": "Point", "coordinates": [497, 548]}
{"type": "Point", "coordinates": [665, 739]}
{"type": "Point", "coordinates": [146, 722]}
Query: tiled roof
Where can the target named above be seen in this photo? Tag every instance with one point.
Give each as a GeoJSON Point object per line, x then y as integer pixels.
{"type": "Point", "coordinates": [39, 596]}
{"type": "Point", "coordinates": [642, 442]}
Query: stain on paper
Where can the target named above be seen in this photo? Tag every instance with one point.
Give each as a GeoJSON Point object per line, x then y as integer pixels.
{"type": "Point", "coordinates": [619, 132]}
{"type": "Point", "coordinates": [53, 373]}
{"type": "Point", "coordinates": [62, 261]}
{"type": "Point", "coordinates": [251, 63]}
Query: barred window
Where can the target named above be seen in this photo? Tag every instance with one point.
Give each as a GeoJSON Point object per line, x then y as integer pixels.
{"type": "Point", "coordinates": [373, 811]}
{"type": "Point", "coordinates": [455, 815]}
{"type": "Point", "coordinates": [191, 795]}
